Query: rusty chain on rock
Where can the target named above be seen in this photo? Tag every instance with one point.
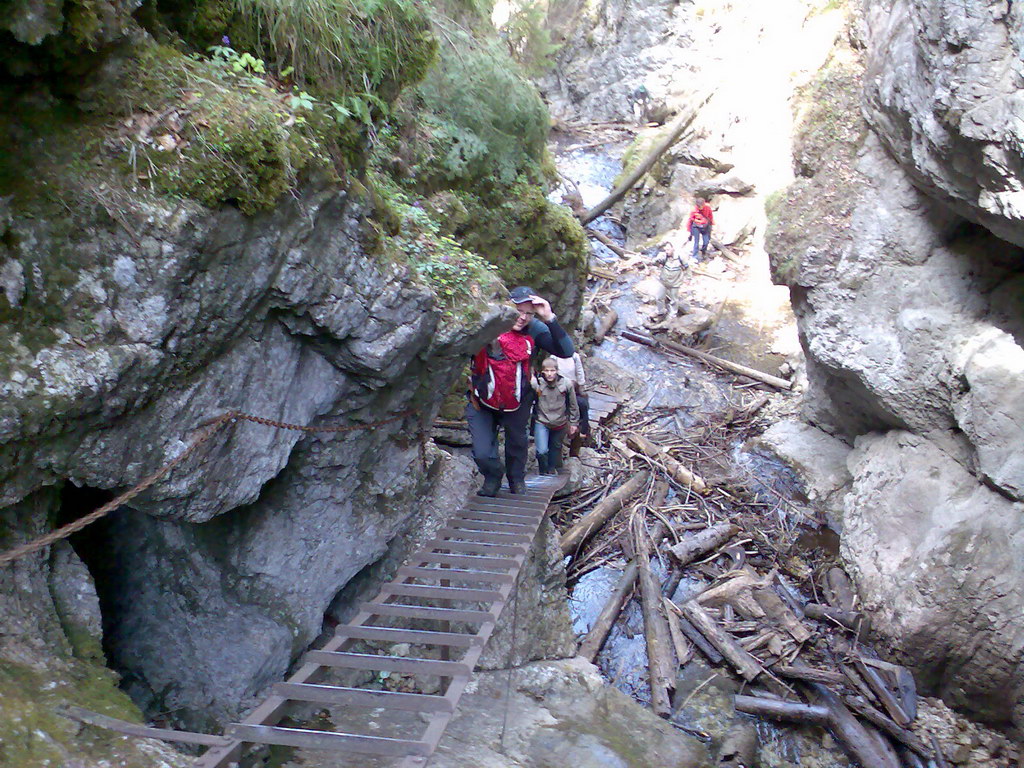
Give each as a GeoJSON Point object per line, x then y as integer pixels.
{"type": "Point", "coordinates": [208, 429]}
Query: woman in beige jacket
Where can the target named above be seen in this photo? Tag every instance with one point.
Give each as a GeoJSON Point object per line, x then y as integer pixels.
{"type": "Point", "coordinates": [557, 412]}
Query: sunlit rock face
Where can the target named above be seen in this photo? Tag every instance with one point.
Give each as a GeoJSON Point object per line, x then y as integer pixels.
{"type": "Point", "coordinates": [943, 92]}
{"type": "Point", "coordinates": [901, 246]}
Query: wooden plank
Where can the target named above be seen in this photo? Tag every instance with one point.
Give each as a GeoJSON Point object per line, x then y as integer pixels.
{"type": "Point", "coordinates": [455, 574]}
{"type": "Point", "coordinates": [483, 547]}
{"type": "Point", "coordinates": [360, 697]}
{"type": "Point", "coordinates": [415, 636]}
{"type": "Point", "coordinates": [326, 740]}
{"type": "Point", "coordinates": [106, 722]}
{"type": "Point", "coordinates": [465, 560]}
{"type": "Point", "coordinates": [497, 516]}
{"type": "Point", "coordinates": [476, 524]}
{"type": "Point", "coordinates": [491, 537]}
{"type": "Point", "coordinates": [375, 663]}
{"type": "Point", "coordinates": [445, 593]}
{"type": "Point", "coordinates": [427, 612]}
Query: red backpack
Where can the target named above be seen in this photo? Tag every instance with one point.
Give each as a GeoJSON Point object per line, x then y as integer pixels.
{"type": "Point", "coordinates": [501, 371]}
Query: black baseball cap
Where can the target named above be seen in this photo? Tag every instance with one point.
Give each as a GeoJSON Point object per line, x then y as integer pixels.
{"type": "Point", "coordinates": [521, 293]}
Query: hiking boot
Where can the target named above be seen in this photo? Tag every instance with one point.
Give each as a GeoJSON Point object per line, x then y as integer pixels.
{"type": "Point", "coordinates": [542, 463]}
{"type": "Point", "coordinates": [490, 487]}
{"type": "Point", "coordinates": [516, 486]}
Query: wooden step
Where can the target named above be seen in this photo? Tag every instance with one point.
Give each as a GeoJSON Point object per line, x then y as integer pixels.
{"type": "Point", "coordinates": [444, 593]}
{"type": "Point", "coordinates": [426, 612]}
{"type": "Point", "coordinates": [375, 663]}
{"type": "Point", "coordinates": [466, 532]}
{"type": "Point", "coordinates": [308, 739]}
{"type": "Point", "coordinates": [467, 561]}
{"type": "Point", "coordinates": [467, 520]}
{"type": "Point", "coordinates": [454, 574]}
{"type": "Point", "coordinates": [483, 547]}
{"type": "Point", "coordinates": [415, 636]}
{"type": "Point", "coordinates": [361, 697]}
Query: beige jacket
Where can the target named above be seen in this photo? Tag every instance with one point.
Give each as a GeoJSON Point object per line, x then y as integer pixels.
{"type": "Point", "coordinates": [556, 402]}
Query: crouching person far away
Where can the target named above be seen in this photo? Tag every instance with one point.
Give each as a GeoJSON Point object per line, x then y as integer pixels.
{"type": "Point", "coordinates": [500, 395]}
{"type": "Point", "coordinates": [557, 414]}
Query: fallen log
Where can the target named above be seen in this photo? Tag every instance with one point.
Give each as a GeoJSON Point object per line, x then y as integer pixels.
{"type": "Point", "coordinates": [853, 735]}
{"type": "Point", "coordinates": [694, 635]}
{"type": "Point", "coordinates": [810, 675]}
{"type": "Point", "coordinates": [684, 121]}
{"type": "Point", "coordinates": [775, 709]}
{"type": "Point", "coordinates": [743, 370]}
{"type": "Point", "coordinates": [603, 274]}
{"type": "Point", "coordinates": [856, 622]}
{"type": "Point", "coordinates": [660, 661]}
{"type": "Point", "coordinates": [746, 665]}
{"type": "Point", "coordinates": [586, 526]}
{"type": "Point", "coordinates": [683, 647]}
{"type": "Point", "coordinates": [605, 620]}
{"type": "Point", "coordinates": [614, 247]}
{"type": "Point", "coordinates": [607, 322]}
{"type": "Point", "coordinates": [908, 738]}
{"type": "Point", "coordinates": [881, 690]}
{"type": "Point", "coordinates": [902, 680]}
{"type": "Point", "coordinates": [729, 253]}
{"type": "Point", "coordinates": [679, 473]}
{"type": "Point", "coordinates": [700, 544]}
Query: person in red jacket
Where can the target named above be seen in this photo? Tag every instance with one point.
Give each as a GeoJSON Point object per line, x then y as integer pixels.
{"type": "Point", "coordinates": [500, 395]}
{"type": "Point", "coordinates": [700, 223]}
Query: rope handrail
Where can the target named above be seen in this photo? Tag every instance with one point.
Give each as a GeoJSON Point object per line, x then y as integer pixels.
{"type": "Point", "coordinates": [208, 429]}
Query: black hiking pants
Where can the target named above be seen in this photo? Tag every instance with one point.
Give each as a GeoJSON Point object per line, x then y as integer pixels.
{"type": "Point", "coordinates": [483, 429]}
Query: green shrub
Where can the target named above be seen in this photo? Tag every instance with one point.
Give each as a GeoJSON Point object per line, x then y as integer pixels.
{"type": "Point", "coordinates": [483, 118]}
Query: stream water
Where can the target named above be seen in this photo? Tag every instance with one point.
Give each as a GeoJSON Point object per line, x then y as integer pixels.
{"type": "Point", "coordinates": [703, 703]}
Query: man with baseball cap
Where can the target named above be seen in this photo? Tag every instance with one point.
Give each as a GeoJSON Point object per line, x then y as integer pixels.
{"type": "Point", "coordinates": [500, 395]}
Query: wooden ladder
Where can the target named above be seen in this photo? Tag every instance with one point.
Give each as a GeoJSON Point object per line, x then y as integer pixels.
{"type": "Point", "coordinates": [474, 559]}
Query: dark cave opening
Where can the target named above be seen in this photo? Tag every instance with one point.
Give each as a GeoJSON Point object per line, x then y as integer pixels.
{"type": "Point", "coordinates": [94, 546]}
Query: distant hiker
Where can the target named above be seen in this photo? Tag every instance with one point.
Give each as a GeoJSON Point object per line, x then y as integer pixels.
{"type": "Point", "coordinates": [639, 100]}
{"type": "Point", "coordinates": [700, 222]}
{"type": "Point", "coordinates": [558, 414]}
{"type": "Point", "coordinates": [572, 369]}
{"type": "Point", "coordinates": [671, 279]}
{"type": "Point", "coordinates": [500, 395]}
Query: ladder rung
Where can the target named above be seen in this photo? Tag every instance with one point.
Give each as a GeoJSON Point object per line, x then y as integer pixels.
{"type": "Point", "coordinates": [455, 574]}
{"type": "Point", "coordinates": [478, 523]}
{"type": "Point", "coordinates": [488, 536]}
{"type": "Point", "coordinates": [467, 561]}
{"type": "Point", "coordinates": [482, 547]}
{"type": "Point", "coordinates": [426, 612]}
{"type": "Point", "coordinates": [501, 517]}
{"type": "Point", "coordinates": [416, 636]}
{"type": "Point", "coordinates": [360, 697]}
{"type": "Point", "coordinates": [370, 661]}
{"type": "Point", "coordinates": [444, 593]}
{"type": "Point", "coordinates": [353, 742]}
{"type": "Point", "coordinates": [525, 507]}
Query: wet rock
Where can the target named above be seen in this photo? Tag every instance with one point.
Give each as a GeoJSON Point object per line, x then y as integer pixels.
{"type": "Point", "coordinates": [559, 713]}
{"type": "Point", "coordinates": [684, 328]}
{"type": "Point", "coordinates": [936, 554]}
{"type": "Point", "coordinates": [818, 458]}
{"type": "Point", "coordinates": [535, 624]}
{"type": "Point", "coordinates": [724, 185]}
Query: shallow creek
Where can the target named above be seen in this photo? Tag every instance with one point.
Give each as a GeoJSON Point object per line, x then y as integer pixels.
{"type": "Point", "coordinates": [703, 704]}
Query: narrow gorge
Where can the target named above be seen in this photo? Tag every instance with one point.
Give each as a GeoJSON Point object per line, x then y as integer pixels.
{"type": "Point", "coordinates": [248, 248]}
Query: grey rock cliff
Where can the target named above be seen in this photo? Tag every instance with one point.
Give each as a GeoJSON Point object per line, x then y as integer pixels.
{"type": "Point", "coordinates": [909, 315]}
{"type": "Point", "coordinates": [212, 581]}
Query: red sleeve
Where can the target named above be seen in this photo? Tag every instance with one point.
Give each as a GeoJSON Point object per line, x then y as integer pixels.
{"type": "Point", "coordinates": [689, 221]}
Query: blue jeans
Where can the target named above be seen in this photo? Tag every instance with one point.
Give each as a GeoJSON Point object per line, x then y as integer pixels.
{"type": "Point", "coordinates": [549, 441]}
{"type": "Point", "coordinates": [698, 234]}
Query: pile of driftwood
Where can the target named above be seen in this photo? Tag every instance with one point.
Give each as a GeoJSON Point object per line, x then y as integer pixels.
{"type": "Point", "coordinates": [799, 661]}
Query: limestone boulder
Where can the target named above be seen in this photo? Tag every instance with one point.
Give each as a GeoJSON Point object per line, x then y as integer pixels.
{"type": "Point", "coordinates": [942, 91]}
{"type": "Point", "coordinates": [937, 557]}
